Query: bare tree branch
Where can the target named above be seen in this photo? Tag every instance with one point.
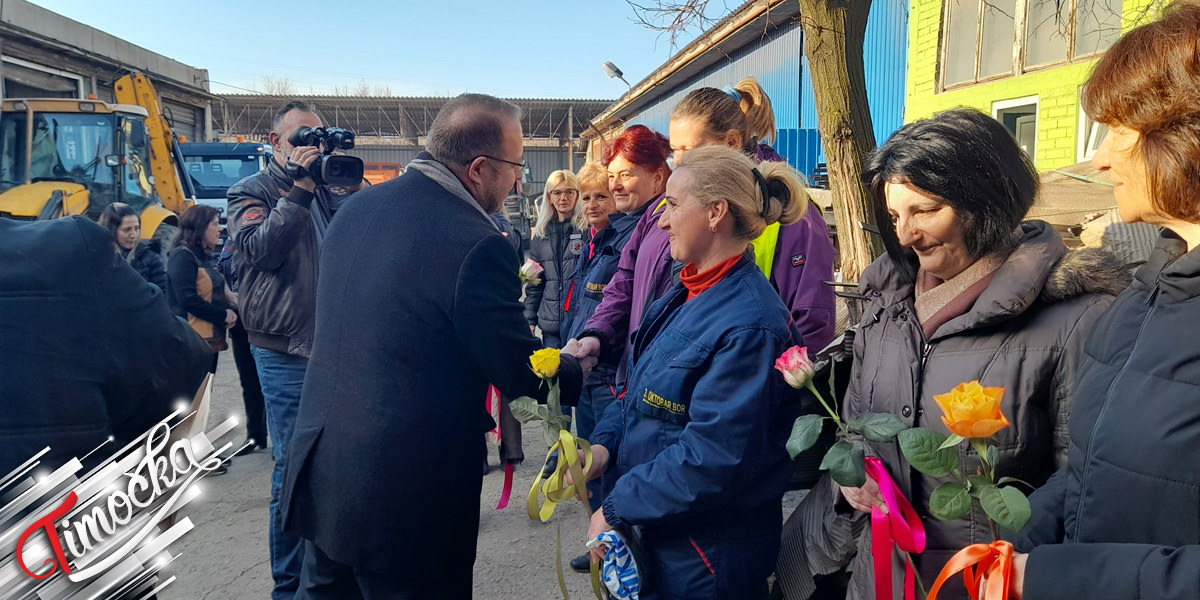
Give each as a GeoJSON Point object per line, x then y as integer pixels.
{"type": "Point", "coordinates": [276, 86]}
{"type": "Point", "coordinates": [675, 18]}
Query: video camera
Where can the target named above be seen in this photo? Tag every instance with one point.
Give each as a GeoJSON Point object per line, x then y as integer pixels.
{"type": "Point", "coordinates": [329, 168]}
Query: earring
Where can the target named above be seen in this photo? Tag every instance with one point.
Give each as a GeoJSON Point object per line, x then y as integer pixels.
{"type": "Point", "coordinates": [712, 228]}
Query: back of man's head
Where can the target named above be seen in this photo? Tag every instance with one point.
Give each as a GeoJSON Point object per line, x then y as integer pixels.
{"type": "Point", "coordinates": [469, 126]}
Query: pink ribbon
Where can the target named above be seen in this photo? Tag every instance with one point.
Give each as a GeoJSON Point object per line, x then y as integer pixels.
{"type": "Point", "coordinates": [493, 404]}
{"type": "Point", "coordinates": [900, 526]}
{"type": "Point", "coordinates": [508, 478]}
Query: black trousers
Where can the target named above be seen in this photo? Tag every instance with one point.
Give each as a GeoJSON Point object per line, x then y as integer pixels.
{"type": "Point", "coordinates": [252, 395]}
{"type": "Point", "coordinates": [324, 579]}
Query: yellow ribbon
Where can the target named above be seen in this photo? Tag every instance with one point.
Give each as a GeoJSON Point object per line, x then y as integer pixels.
{"type": "Point", "coordinates": [547, 492]}
{"type": "Point", "coordinates": [555, 489]}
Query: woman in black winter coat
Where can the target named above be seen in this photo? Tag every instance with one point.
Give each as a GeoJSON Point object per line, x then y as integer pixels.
{"type": "Point", "coordinates": [197, 288]}
{"type": "Point", "coordinates": [969, 290]}
{"type": "Point", "coordinates": [1120, 521]}
{"type": "Point", "coordinates": [126, 228]}
{"type": "Point", "coordinates": [557, 241]}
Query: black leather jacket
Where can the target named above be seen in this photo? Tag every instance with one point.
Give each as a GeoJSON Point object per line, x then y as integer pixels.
{"type": "Point", "coordinates": [277, 231]}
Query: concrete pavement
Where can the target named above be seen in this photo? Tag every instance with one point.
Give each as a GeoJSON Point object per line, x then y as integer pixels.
{"type": "Point", "coordinates": [225, 556]}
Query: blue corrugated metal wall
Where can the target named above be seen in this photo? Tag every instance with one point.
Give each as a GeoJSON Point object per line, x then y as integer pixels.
{"type": "Point", "coordinates": [773, 61]}
{"type": "Point", "coordinates": [885, 60]}
{"type": "Point", "coordinates": [780, 67]}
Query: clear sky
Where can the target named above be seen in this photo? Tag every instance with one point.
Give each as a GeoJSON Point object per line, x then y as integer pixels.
{"type": "Point", "coordinates": [538, 48]}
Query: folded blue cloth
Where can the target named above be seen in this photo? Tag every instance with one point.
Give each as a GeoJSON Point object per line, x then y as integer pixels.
{"type": "Point", "coordinates": [618, 571]}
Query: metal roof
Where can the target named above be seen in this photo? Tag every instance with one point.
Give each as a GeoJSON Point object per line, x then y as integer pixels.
{"type": "Point", "coordinates": [406, 117]}
{"type": "Point", "coordinates": [749, 23]}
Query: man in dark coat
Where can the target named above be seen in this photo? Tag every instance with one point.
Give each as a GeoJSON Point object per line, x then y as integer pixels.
{"type": "Point", "coordinates": [417, 311]}
{"type": "Point", "coordinates": [90, 349]}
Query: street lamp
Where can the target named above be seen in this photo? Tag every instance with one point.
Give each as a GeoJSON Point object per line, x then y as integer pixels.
{"type": "Point", "coordinates": [612, 71]}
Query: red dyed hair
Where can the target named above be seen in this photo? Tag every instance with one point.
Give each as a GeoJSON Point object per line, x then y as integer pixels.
{"type": "Point", "coordinates": [641, 146]}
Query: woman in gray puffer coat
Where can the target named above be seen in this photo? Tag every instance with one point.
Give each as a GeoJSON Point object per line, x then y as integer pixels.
{"type": "Point", "coordinates": [965, 292]}
{"type": "Point", "coordinates": [555, 244]}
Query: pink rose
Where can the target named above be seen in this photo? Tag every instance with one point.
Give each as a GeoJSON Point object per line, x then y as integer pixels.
{"type": "Point", "coordinates": [531, 272]}
{"type": "Point", "coordinates": [797, 369]}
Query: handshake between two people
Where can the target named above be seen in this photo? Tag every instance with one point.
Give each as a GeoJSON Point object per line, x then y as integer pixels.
{"type": "Point", "coordinates": [586, 351]}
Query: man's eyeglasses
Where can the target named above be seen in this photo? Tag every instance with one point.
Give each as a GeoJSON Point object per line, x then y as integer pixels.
{"type": "Point", "coordinates": [520, 165]}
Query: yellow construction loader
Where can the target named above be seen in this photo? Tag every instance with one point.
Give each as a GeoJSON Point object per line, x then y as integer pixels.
{"type": "Point", "coordinates": [61, 157]}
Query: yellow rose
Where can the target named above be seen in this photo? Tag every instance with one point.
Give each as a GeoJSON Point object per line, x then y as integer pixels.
{"type": "Point", "coordinates": [973, 411]}
{"type": "Point", "coordinates": [545, 362]}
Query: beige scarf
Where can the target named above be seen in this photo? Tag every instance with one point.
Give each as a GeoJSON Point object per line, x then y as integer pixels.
{"type": "Point", "coordinates": [938, 301]}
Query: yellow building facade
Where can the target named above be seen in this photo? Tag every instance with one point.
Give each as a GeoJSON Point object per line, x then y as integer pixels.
{"type": "Point", "coordinates": [1022, 61]}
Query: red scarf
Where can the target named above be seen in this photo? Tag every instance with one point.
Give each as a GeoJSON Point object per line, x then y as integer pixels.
{"type": "Point", "coordinates": [697, 282]}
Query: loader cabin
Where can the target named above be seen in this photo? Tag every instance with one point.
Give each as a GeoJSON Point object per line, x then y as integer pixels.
{"type": "Point", "coordinates": [61, 157]}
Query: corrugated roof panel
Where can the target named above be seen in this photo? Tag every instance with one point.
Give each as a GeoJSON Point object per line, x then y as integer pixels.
{"type": "Point", "coordinates": [885, 58]}
{"type": "Point", "coordinates": [541, 161]}
{"type": "Point", "coordinates": [774, 60]}
{"type": "Point", "coordinates": [885, 62]}
{"type": "Point", "coordinates": [779, 64]}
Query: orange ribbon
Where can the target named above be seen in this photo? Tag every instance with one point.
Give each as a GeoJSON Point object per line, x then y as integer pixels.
{"type": "Point", "coordinates": [979, 561]}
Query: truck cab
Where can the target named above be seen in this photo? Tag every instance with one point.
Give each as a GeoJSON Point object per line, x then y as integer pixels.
{"type": "Point", "coordinates": [214, 167]}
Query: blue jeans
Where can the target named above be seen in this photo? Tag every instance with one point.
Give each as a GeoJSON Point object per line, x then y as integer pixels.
{"type": "Point", "coordinates": [595, 397]}
{"type": "Point", "coordinates": [282, 377]}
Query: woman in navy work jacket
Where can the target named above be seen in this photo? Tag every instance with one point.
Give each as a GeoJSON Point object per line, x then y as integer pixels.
{"type": "Point", "coordinates": [609, 232]}
{"type": "Point", "coordinates": [696, 446]}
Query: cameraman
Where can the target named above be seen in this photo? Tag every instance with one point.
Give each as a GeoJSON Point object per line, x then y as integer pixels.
{"type": "Point", "coordinates": [277, 224]}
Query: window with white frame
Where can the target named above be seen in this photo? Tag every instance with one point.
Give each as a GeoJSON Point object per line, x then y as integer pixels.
{"type": "Point", "coordinates": [1091, 134]}
{"type": "Point", "coordinates": [22, 78]}
{"type": "Point", "coordinates": [991, 39]}
{"type": "Point", "coordinates": [1020, 117]}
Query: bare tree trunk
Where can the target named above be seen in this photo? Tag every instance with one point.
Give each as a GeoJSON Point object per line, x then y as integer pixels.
{"type": "Point", "coordinates": [833, 42]}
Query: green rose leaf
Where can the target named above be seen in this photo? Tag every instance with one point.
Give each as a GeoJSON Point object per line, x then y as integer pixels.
{"type": "Point", "coordinates": [951, 441]}
{"type": "Point", "coordinates": [950, 501]}
{"type": "Point", "coordinates": [551, 430]}
{"type": "Point", "coordinates": [977, 483]}
{"type": "Point", "coordinates": [559, 421]}
{"type": "Point", "coordinates": [805, 432]}
{"type": "Point", "coordinates": [1006, 506]}
{"type": "Point", "coordinates": [922, 448]}
{"type": "Point", "coordinates": [846, 463]}
{"type": "Point", "coordinates": [524, 409]}
{"type": "Point", "coordinates": [993, 455]}
{"type": "Point", "coordinates": [878, 427]}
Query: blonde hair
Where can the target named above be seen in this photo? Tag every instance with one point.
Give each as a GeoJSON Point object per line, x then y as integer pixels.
{"type": "Point", "coordinates": [750, 114]}
{"type": "Point", "coordinates": [592, 175]}
{"type": "Point", "coordinates": [547, 210]}
{"type": "Point", "coordinates": [722, 173]}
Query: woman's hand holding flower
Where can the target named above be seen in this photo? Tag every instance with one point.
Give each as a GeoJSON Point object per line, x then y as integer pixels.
{"type": "Point", "coordinates": [864, 498]}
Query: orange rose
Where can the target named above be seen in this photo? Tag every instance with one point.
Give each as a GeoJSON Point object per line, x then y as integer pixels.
{"type": "Point", "coordinates": [973, 411]}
